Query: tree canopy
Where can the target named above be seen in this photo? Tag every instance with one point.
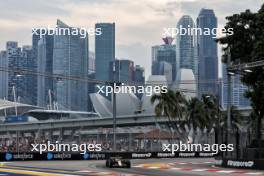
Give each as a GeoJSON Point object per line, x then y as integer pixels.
{"type": "Point", "coordinates": [247, 45]}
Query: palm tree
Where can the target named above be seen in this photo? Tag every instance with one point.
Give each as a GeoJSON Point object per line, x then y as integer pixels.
{"type": "Point", "coordinates": [202, 114]}
{"type": "Point", "coordinates": [170, 105]}
{"type": "Point", "coordinates": [181, 113]}
{"type": "Point", "coordinates": [211, 110]}
{"type": "Point", "coordinates": [195, 115]}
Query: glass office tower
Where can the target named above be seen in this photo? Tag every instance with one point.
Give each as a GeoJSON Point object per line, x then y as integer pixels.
{"type": "Point", "coordinates": [45, 65]}
{"type": "Point", "coordinates": [164, 53]}
{"type": "Point", "coordinates": [186, 46]}
{"type": "Point", "coordinates": [238, 98]}
{"type": "Point", "coordinates": [207, 54]}
{"type": "Point", "coordinates": [70, 58]}
{"type": "Point", "coordinates": [104, 50]}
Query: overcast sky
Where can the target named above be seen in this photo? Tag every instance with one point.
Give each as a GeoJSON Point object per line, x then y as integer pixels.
{"type": "Point", "coordinates": [139, 23]}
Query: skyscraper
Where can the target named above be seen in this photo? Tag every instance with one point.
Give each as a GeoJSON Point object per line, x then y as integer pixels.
{"type": "Point", "coordinates": [70, 58]}
{"type": "Point", "coordinates": [15, 79]}
{"type": "Point", "coordinates": [45, 65]}
{"type": "Point", "coordinates": [17, 85]}
{"type": "Point", "coordinates": [33, 79]}
{"type": "Point", "coordinates": [3, 75]}
{"type": "Point", "coordinates": [186, 56]}
{"type": "Point", "coordinates": [165, 52]}
{"type": "Point", "coordinates": [31, 84]}
{"type": "Point", "coordinates": [207, 54]}
{"type": "Point", "coordinates": [238, 98]}
{"type": "Point", "coordinates": [139, 74]}
{"type": "Point", "coordinates": [123, 71]}
{"type": "Point", "coordinates": [91, 62]}
{"type": "Point", "coordinates": [104, 50]}
{"type": "Point", "coordinates": [162, 68]}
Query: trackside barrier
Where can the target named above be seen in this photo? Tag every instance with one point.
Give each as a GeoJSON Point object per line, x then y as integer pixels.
{"type": "Point", "coordinates": [10, 156]}
{"type": "Point", "coordinates": [240, 163]}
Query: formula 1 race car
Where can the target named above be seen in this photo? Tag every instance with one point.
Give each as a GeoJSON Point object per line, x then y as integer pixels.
{"type": "Point", "coordinates": [118, 162]}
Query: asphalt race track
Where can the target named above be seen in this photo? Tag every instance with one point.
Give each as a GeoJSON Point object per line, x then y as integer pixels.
{"type": "Point", "coordinates": [152, 167]}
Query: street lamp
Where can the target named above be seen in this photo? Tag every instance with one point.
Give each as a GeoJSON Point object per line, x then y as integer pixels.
{"type": "Point", "coordinates": [248, 71]}
{"type": "Point", "coordinates": [231, 73]}
{"type": "Point", "coordinates": [229, 92]}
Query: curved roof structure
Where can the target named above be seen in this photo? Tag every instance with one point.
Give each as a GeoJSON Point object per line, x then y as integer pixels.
{"type": "Point", "coordinates": [4, 104]}
{"type": "Point", "coordinates": [101, 105]}
{"type": "Point", "coordinates": [127, 103]}
{"type": "Point", "coordinates": [153, 80]}
{"type": "Point", "coordinates": [9, 107]}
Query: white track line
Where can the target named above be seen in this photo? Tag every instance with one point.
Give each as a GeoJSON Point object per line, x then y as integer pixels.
{"type": "Point", "coordinates": [254, 173]}
{"type": "Point", "coordinates": [199, 170]}
{"type": "Point", "coordinates": [225, 171]}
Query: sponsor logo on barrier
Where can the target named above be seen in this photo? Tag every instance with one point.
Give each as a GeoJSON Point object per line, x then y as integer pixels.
{"type": "Point", "coordinates": [86, 156]}
{"type": "Point", "coordinates": [22, 156]}
{"type": "Point", "coordinates": [96, 156]}
{"type": "Point", "coordinates": [206, 154]}
{"type": "Point", "coordinates": [218, 162]}
{"type": "Point", "coordinates": [186, 154]}
{"type": "Point", "coordinates": [8, 156]}
{"type": "Point", "coordinates": [165, 155]}
{"type": "Point", "coordinates": [51, 156]}
{"type": "Point", "coordinates": [141, 155]}
{"type": "Point", "coordinates": [248, 164]}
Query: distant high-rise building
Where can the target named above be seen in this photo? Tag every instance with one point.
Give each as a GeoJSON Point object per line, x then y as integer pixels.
{"type": "Point", "coordinates": [154, 52]}
{"type": "Point", "coordinates": [238, 98]}
{"type": "Point", "coordinates": [139, 74]}
{"type": "Point", "coordinates": [91, 62]}
{"type": "Point", "coordinates": [207, 54]}
{"type": "Point", "coordinates": [122, 71]}
{"type": "Point", "coordinates": [45, 65]}
{"type": "Point", "coordinates": [104, 50]}
{"type": "Point", "coordinates": [17, 81]}
{"type": "Point", "coordinates": [186, 56]}
{"type": "Point", "coordinates": [165, 52]}
{"type": "Point", "coordinates": [19, 85]}
{"type": "Point", "coordinates": [162, 68]}
{"type": "Point", "coordinates": [3, 75]}
{"type": "Point", "coordinates": [33, 79]}
{"type": "Point", "coordinates": [70, 58]}
{"type": "Point", "coordinates": [91, 75]}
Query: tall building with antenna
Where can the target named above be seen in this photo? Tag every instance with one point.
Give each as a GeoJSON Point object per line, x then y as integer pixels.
{"type": "Point", "coordinates": [164, 55]}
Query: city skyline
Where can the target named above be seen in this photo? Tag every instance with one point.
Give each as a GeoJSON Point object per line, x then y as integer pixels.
{"type": "Point", "coordinates": [136, 32]}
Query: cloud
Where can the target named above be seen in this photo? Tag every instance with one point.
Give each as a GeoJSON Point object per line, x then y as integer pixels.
{"type": "Point", "coordinates": [31, 9]}
{"type": "Point", "coordinates": [139, 23]}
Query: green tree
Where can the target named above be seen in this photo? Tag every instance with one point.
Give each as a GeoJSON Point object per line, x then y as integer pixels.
{"type": "Point", "coordinates": [236, 118]}
{"type": "Point", "coordinates": [195, 114]}
{"type": "Point", "coordinates": [247, 45]}
{"type": "Point", "coordinates": [202, 114]}
{"type": "Point", "coordinates": [170, 105]}
{"type": "Point", "coordinates": [211, 111]}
